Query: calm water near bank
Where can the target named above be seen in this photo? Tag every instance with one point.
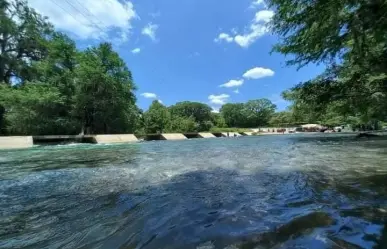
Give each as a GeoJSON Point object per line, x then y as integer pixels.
{"type": "Point", "coordinates": [286, 191]}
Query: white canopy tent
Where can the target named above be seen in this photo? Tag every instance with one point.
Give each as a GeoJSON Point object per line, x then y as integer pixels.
{"type": "Point", "coordinates": [309, 126]}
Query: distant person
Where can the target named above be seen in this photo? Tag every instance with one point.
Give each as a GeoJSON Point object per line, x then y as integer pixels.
{"type": "Point", "coordinates": [228, 135]}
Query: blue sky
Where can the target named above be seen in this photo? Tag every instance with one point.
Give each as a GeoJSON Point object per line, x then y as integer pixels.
{"type": "Point", "coordinates": [213, 52]}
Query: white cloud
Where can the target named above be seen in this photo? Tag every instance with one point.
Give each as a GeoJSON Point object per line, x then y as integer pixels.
{"type": "Point", "coordinates": [90, 19]}
{"type": "Point", "coordinates": [149, 95]}
{"type": "Point", "coordinates": [232, 83]}
{"type": "Point", "coordinates": [215, 110]}
{"type": "Point", "coordinates": [258, 72]}
{"type": "Point", "coordinates": [257, 3]}
{"type": "Point", "coordinates": [161, 102]}
{"type": "Point", "coordinates": [257, 28]}
{"type": "Point", "coordinates": [236, 91]}
{"type": "Point", "coordinates": [218, 99]}
{"type": "Point", "coordinates": [264, 16]}
{"type": "Point", "coordinates": [136, 50]}
{"type": "Point", "coordinates": [224, 37]}
{"type": "Point", "coordinates": [256, 31]}
{"type": "Point", "coordinates": [150, 30]}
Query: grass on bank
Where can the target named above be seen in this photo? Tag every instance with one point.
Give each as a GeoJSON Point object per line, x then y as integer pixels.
{"type": "Point", "coordinates": [239, 130]}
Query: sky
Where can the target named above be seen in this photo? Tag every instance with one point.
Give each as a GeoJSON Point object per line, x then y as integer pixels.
{"type": "Point", "coordinates": [209, 51]}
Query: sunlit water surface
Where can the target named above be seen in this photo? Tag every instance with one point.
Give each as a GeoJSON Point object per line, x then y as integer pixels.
{"type": "Point", "coordinates": [286, 191]}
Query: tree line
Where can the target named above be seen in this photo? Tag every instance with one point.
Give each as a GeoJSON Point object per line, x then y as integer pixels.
{"type": "Point", "coordinates": [195, 116]}
{"type": "Point", "coordinates": [48, 86]}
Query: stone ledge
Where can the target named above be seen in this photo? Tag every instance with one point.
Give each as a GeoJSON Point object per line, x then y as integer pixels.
{"type": "Point", "coordinates": [16, 142]}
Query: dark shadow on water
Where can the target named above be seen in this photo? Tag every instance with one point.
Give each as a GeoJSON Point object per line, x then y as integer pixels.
{"type": "Point", "coordinates": [329, 138]}
{"type": "Point", "coordinates": [201, 209]}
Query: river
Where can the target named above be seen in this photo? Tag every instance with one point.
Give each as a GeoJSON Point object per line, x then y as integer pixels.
{"type": "Point", "coordinates": [285, 191]}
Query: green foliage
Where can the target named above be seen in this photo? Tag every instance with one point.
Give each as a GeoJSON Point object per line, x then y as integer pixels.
{"type": "Point", "coordinates": [254, 113]}
{"type": "Point", "coordinates": [104, 101]}
{"type": "Point", "coordinates": [32, 109]}
{"type": "Point", "coordinates": [258, 112]}
{"type": "Point", "coordinates": [89, 91]}
{"type": "Point", "coordinates": [218, 120]}
{"type": "Point", "coordinates": [350, 38]}
{"type": "Point", "coordinates": [232, 114]}
{"type": "Point", "coordinates": [224, 129]}
{"type": "Point", "coordinates": [182, 124]}
{"type": "Point", "coordinates": [157, 119]}
{"type": "Point", "coordinates": [23, 40]}
{"type": "Point", "coordinates": [281, 119]}
{"type": "Point", "coordinates": [199, 112]}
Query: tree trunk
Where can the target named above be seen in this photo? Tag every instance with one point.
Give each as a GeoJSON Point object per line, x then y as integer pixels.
{"type": "Point", "coordinates": [2, 120]}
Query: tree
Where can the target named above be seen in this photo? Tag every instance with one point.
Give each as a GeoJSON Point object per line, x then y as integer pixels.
{"type": "Point", "coordinates": [58, 67]}
{"type": "Point", "coordinates": [89, 91]}
{"type": "Point", "coordinates": [3, 123]}
{"type": "Point", "coordinates": [157, 119]}
{"type": "Point", "coordinates": [58, 70]}
{"type": "Point", "coordinates": [281, 119]}
{"type": "Point", "coordinates": [218, 120]}
{"type": "Point", "coordinates": [301, 111]}
{"type": "Point", "coordinates": [23, 35]}
{"type": "Point", "coordinates": [258, 112]}
{"type": "Point", "coordinates": [182, 124]}
{"type": "Point", "coordinates": [22, 41]}
{"type": "Point", "coordinates": [32, 109]}
{"type": "Point", "coordinates": [350, 38]}
{"type": "Point", "coordinates": [232, 114]}
{"type": "Point", "coordinates": [201, 113]}
{"type": "Point", "coordinates": [246, 115]}
{"type": "Point", "coordinates": [104, 101]}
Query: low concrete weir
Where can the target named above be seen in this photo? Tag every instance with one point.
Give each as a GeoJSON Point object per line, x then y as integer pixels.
{"type": "Point", "coordinates": [152, 137]}
{"type": "Point", "coordinates": [16, 142]}
{"type": "Point", "coordinates": [118, 138]}
{"type": "Point", "coordinates": [231, 134]}
{"type": "Point", "coordinates": [173, 136]}
{"type": "Point", "coordinates": [247, 133]}
{"type": "Point", "coordinates": [218, 134]}
{"type": "Point", "coordinates": [62, 139]}
{"type": "Point", "coordinates": [192, 135]}
{"type": "Point", "coordinates": [206, 135]}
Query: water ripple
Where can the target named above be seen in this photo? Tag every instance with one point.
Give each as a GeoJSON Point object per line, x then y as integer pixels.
{"type": "Point", "coordinates": [251, 192]}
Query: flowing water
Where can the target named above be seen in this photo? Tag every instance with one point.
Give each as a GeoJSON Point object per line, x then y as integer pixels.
{"type": "Point", "coordinates": [287, 191]}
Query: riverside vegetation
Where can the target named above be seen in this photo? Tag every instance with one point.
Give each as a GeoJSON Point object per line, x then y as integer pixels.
{"type": "Point", "coordinates": [49, 86]}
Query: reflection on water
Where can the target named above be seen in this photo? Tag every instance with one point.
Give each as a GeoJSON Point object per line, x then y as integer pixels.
{"type": "Point", "coordinates": [251, 192]}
